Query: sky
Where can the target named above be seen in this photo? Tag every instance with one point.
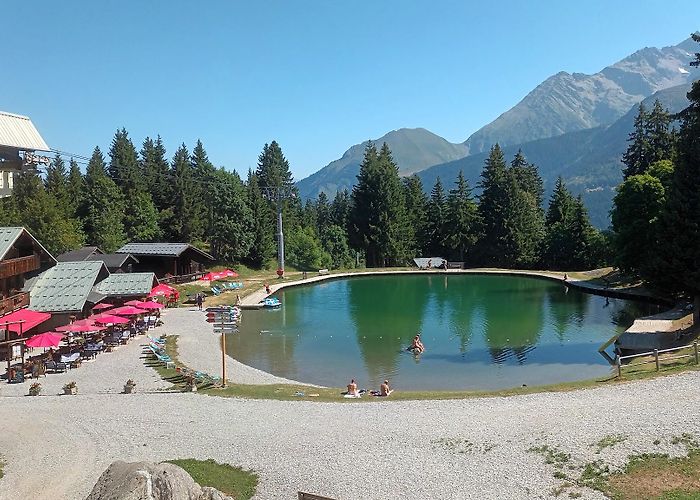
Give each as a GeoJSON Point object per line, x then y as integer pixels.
{"type": "Point", "coordinates": [316, 76]}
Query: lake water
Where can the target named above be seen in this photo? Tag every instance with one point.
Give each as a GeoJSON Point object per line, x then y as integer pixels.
{"type": "Point", "coordinates": [480, 332]}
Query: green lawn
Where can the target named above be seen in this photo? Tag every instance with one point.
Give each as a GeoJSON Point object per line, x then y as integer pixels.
{"type": "Point", "coordinates": [233, 481]}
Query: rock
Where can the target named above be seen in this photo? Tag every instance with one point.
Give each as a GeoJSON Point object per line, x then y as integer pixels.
{"type": "Point", "coordinates": [148, 481]}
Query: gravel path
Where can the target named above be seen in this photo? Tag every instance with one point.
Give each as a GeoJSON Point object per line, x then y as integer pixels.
{"type": "Point", "coordinates": [199, 348]}
{"type": "Point", "coordinates": [56, 447]}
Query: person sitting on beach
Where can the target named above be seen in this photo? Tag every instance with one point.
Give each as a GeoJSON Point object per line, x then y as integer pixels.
{"type": "Point", "coordinates": [352, 388]}
{"type": "Point", "coordinates": [416, 344]}
{"type": "Point", "coordinates": [384, 389]}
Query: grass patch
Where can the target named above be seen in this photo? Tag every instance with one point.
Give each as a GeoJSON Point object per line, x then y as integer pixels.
{"type": "Point", "coordinates": [609, 441]}
{"type": "Point", "coordinates": [233, 481]}
{"type": "Point", "coordinates": [553, 457]}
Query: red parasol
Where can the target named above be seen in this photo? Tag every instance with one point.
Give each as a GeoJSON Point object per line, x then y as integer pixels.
{"type": "Point", "coordinates": [48, 339]}
{"type": "Point", "coordinates": [212, 277]}
{"type": "Point", "coordinates": [228, 273]}
{"type": "Point", "coordinates": [102, 306]}
{"type": "Point", "coordinates": [151, 305]}
{"type": "Point", "coordinates": [108, 319]}
{"type": "Point", "coordinates": [163, 290]}
{"type": "Point", "coordinates": [80, 328]}
{"type": "Point", "coordinates": [127, 311]}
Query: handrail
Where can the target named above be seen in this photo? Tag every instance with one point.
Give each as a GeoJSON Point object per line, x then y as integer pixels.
{"type": "Point", "coordinates": [658, 360]}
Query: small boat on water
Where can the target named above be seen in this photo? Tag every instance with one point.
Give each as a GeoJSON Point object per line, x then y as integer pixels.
{"type": "Point", "coordinates": [272, 303]}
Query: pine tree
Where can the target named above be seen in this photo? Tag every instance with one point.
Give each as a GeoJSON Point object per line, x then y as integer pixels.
{"type": "Point", "coordinates": [40, 212]}
{"type": "Point", "coordinates": [436, 221]}
{"type": "Point", "coordinates": [524, 228]}
{"type": "Point", "coordinates": [262, 248]}
{"type": "Point", "coordinates": [204, 175]}
{"type": "Point", "coordinates": [185, 220]}
{"type": "Point", "coordinates": [340, 208]}
{"type": "Point", "coordinates": [103, 206]}
{"type": "Point", "coordinates": [417, 215]}
{"type": "Point", "coordinates": [231, 233]}
{"type": "Point", "coordinates": [76, 189]}
{"type": "Point", "coordinates": [661, 139]}
{"type": "Point", "coordinates": [323, 214]}
{"type": "Point", "coordinates": [156, 172]}
{"type": "Point", "coordinates": [527, 177]}
{"type": "Point", "coordinates": [463, 214]}
{"type": "Point", "coordinates": [377, 217]}
{"type": "Point", "coordinates": [558, 245]}
{"type": "Point", "coordinates": [636, 158]}
{"type": "Point", "coordinates": [273, 168]}
{"type": "Point", "coordinates": [493, 203]}
{"type": "Point", "coordinates": [124, 167]}
{"type": "Point", "coordinates": [56, 184]}
{"type": "Point", "coordinates": [587, 242]}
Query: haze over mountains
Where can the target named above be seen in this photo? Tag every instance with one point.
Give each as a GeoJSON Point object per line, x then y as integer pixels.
{"type": "Point", "coordinates": [573, 125]}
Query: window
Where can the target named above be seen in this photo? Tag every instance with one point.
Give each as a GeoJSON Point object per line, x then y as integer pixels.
{"type": "Point", "coordinates": [10, 180]}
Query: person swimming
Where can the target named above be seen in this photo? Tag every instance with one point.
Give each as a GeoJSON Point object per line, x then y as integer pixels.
{"type": "Point", "coordinates": [416, 344]}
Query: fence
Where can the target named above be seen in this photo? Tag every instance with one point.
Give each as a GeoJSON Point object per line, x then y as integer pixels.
{"type": "Point", "coordinates": [658, 360]}
{"type": "Point", "coordinates": [183, 278]}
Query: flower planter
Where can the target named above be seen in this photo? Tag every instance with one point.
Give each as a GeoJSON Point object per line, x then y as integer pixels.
{"type": "Point", "coordinates": [70, 391]}
{"type": "Point", "coordinates": [191, 387]}
{"type": "Point", "coordinates": [34, 393]}
{"type": "Point", "coordinates": [128, 389]}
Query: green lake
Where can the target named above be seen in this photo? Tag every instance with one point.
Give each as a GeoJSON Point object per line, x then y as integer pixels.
{"type": "Point", "coordinates": [480, 332]}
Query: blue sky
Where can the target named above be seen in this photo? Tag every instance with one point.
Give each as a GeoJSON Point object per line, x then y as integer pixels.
{"type": "Point", "coordinates": [317, 76]}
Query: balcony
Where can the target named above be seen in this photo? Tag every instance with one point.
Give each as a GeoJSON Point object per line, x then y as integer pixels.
{"type": "Point", "coordinates": [14, 302]}
{"type": "Point", "coordinates": [20, 265]}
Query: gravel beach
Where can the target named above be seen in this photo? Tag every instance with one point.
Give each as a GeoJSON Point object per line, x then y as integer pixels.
{"type": "Point", "coordinates": [55, 447]}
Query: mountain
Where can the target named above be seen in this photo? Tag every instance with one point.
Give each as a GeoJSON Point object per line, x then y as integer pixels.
{"type": "Point", "coordinates": [413, 149]}
{"type": "Point", "coordinates": [588, 160]}
{"type": "Point", "coordinates": [568, 102]}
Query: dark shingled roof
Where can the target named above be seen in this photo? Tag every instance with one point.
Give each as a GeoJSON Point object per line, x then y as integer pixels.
{"type": "Point", "coordinates": [78, 255]}
{"type": "Point", "coordinates": [114, 260]}
{"type": "Point", "coordinates": [161, 249]}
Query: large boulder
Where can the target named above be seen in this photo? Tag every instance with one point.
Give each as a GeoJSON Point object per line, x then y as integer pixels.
{"type": "Point", "coordinates": [148, 481]}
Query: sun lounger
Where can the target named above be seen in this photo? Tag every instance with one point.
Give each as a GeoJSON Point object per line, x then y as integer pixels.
{"type": "Point", "coordinates": [55, 367]}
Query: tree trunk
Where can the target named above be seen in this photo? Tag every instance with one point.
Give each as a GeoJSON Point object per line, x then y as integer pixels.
{"type": "Point", "coordinates": [696, 310]}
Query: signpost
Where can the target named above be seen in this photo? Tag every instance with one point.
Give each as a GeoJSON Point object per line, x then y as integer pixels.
{"type": "Point", "coordinates": [224, 322]}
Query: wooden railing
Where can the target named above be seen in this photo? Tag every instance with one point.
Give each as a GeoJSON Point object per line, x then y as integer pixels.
{"type": "Point", "coordinates": [658, 359]}
{"type": "Point", "coordinates": [20, 265]}
{"type": "Point", "coordinates": [14, 302]}
{"type": "Point", "coordinates": [183, 278]}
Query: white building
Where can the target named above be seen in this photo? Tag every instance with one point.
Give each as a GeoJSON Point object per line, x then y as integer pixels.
{"type": "Point", "coordinates": [19, 141]}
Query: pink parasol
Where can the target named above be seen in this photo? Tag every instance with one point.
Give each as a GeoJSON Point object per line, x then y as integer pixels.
{"type": "Point", "coordinates": [80, 328]}
{"type": "Point", "coordinates": [128, 311]}
{"type": "Point", "coordinates": [102, 306]}
{"type": "Point", "coordinates": [48, 339]}
{"type": "Point", "coordinates": [108, 319]}
{"type": "Point", "coordinates": [151, 305]}
{"type": "Point", "coordinates": [135, 303]}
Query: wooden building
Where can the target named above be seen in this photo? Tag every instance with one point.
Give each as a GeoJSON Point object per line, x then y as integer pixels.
{"type": "Point", "coordinates": [167, 259]}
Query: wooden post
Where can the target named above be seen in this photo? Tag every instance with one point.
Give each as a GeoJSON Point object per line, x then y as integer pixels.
{"type": "Point", "coordinates": [656, 358]}
{"type": "Point", "coordinates": [223, 353]}
{"type": "Point", "coordinates": [695, 347]}
{"type": "Point", "coordinates": [619, 367]}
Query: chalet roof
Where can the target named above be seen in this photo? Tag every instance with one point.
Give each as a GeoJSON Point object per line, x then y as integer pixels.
{"type": "Point", "coordinates": [114, 260]}
{"type": "Point", "coordinates": [161, 249]}
{"type": "Point", "coordinates": [10, 235]}
{"type": "Point", "coordinates": [123, 284]}
{"type": "Point", "coordinates": [19, 132]}
{"type": "Point", "coordinates": [79, 254]}
{"type": "Point", "coordinates": [65, 287]}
